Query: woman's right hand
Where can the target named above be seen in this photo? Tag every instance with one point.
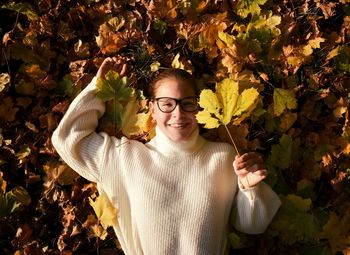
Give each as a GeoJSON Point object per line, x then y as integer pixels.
{"type": "Point", "coordinates": [112, 63]}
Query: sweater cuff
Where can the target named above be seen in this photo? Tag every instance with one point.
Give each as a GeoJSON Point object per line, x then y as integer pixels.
{"type": "Point", "coordinates": [92, 85]}
{"type": "Point", "coordinates": [250, 192]}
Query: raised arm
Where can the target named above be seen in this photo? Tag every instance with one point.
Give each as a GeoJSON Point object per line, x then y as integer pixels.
{"type": "Point", "coordinates": [75, 138]}
{"type": "Point", "coordinates": [256, 202]}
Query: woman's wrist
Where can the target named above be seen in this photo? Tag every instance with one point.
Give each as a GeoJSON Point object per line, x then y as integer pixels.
{"type": "Point", "coordinates": [244, 183]}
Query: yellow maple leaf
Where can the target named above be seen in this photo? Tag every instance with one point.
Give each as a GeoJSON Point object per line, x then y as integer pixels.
{"type": "Point", "coordinates": [283, 99]}
{"type": "Point", "coordinates": [182, 63]}
{"type": "Point", "coordinates": [105, 212]}
{"type": "Point", "coordinates": [134, 123]}
{"type": "Point", "coordinates": [315, 43]}
{"type": "Point", "coordinates": [210, 116]}
{"type": "Point", "coordinates": [312, 44]}
{"type": "Point", "coordinates": [220, 107]}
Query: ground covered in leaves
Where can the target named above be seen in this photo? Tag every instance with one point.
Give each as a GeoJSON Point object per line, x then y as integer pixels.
{"type": "Point", "coordinates": [296, 54]}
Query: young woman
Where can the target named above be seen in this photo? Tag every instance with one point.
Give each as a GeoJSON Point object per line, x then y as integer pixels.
{"type": "Point", "coordinates": [176, 194]}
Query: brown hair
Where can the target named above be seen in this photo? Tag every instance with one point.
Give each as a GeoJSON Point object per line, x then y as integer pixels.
{"type": "Point", "coordinates": [175, 73]}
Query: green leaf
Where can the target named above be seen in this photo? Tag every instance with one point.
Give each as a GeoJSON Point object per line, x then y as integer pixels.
{"type": "Point", "coordinates": [295, 221]}
{"type": "Point", "coordinates": [67, 87]}
{"type": "Point", "coordinates": [283, 99]}
{"type": "Point", "coordinates": [113, 87]}
{"type": "Point", "coordinates": [246, 7]}
{"type": "Point", "coordinates": [160, 25]}
{"type": "Point", "coordinates": [12, 200]}
{"type": "Point", "coordinates": [342, 60]}
{"type": "Point", "coordinates": [226, 38]}
{"type": "Point", "coordinates": [281, 154]}
{"type": "Point", "coordinates": [8, 204]}
{"type": "Point", "coordinates": [114, 113]}
{"type": "Point", "coordinates": [315, 250]}
{"type": "Point", "coordinates": [24, 8]}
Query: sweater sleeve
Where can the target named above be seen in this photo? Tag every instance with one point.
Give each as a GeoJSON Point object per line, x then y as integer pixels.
{"type": "Point", "coordinates": [255, 208]}
{"type": "Point", "coordinates": [75, 139]}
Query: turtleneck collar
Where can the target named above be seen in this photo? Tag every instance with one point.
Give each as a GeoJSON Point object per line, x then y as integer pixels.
{"type": "Point", "coordinates": [165, 145]}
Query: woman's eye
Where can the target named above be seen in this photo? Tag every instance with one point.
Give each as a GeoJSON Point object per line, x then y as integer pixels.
{"type": "Point", "coordinates": [189, 103]}
{"type": "Point", "coordinates": [167, 104]}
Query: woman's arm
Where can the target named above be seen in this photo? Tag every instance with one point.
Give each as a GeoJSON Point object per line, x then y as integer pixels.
{"type": "Point", "coordinates": [255, 208]}
{"type": "Point", "coordinates": [256, 202]}
{"type": "Point", "coordinates": [75, 138]}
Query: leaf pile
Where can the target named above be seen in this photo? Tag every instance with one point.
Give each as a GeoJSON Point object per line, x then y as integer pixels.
{"type": "Point", "coordinates": [294, 53]}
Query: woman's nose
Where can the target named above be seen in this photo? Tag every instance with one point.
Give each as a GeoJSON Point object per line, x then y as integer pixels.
{"type": "Point", "coordinates": [177, 111]}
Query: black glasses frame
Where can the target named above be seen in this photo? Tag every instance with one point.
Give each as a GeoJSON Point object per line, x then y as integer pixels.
{"type": "Point", "coordinates": [177, 101]}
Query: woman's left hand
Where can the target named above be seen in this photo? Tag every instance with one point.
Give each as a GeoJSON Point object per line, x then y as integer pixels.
{"type": "Point", "coordinates": [250, 169]}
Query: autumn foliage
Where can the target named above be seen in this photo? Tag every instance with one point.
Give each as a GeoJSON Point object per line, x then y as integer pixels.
{"type": "Point", "coordinates": [292, 56]}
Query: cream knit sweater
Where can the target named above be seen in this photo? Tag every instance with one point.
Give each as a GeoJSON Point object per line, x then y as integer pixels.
{"type": "Point", "coordinates": [172, 198]}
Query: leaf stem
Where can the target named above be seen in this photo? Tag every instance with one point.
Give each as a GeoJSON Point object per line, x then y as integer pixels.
{"type": "Point", "coordinates": [233, 142]}
{"type": "Point", "coordinates": [237, 151]}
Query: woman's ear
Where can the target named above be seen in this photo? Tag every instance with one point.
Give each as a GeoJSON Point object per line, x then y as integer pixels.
{"type": "Point", "coordinates": [151, 108]}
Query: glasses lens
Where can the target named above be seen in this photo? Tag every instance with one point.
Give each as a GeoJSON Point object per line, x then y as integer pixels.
{"type": "Point", "coordinates": [189, 104]}
{"type": "Point", "coordinates": [166, 104]}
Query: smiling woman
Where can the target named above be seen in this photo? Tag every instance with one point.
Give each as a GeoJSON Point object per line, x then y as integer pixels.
{"type": "Point", "coordinates": [176, 193]}
{"type": "Point", "coordinates": [174, 105]}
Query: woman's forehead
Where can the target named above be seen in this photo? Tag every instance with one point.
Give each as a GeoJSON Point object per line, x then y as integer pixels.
{"type": "Point", "coordinates": [173, 85]}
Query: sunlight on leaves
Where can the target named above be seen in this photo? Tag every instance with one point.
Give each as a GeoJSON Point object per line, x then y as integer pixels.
{"type": "Point", "coordinates": [4, 80]}
{"type": "Point", "coordinates": [283, 99]}
{"type": "Point", "coordinates": [113, 87]}
{"type": "Point", "coordinates": [225, 103]}
{"type": "Point", "coordinates": [106, 213]}
{"type": "Point", "coordinates": [24, 8]}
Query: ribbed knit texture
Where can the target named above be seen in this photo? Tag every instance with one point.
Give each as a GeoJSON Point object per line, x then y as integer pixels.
{"type": "Point", "coordinates": [172, 198]}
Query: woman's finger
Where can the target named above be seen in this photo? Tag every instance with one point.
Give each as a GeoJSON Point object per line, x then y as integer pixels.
{"type": "Point", "coordinates": [249, 163]}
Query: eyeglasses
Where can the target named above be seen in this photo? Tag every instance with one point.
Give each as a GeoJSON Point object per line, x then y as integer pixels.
{"type": "Point", "coordinates": [168, 104]}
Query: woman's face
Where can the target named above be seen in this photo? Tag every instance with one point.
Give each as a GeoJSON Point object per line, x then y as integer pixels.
{"type": "Point", "coordinates": [177, 125]}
